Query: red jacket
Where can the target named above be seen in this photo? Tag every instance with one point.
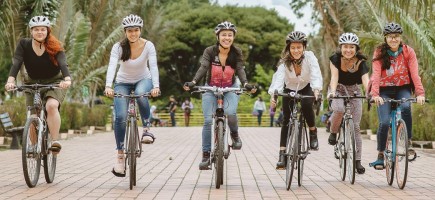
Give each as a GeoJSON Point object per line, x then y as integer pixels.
{"type": "Point", "coordinates": [399, 73]}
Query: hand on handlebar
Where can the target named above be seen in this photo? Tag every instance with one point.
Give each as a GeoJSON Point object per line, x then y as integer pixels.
{"type": "Point", "coordinates": [10, 86]}
{"type": "Point", "coordinates": [378, 100]}
{"type": "Point", "coordinates": [188, 85]}
{"type": "Point", "coordinates": [331, 95]}
{"type": "Point", "coordinates": [420, 100]}
{"type": "Point", "coordinates": [108, 91]}
{"type": "Point", "coordinates": [317, 94]}
{"type": "Point", "coordinates": [250, 87]}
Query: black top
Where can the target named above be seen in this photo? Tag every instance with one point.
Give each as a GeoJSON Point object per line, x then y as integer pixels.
{"type": "Point", "coordinates": [210, 57]}
{"type": "Point", "coordinates": [38, 67]}
{"type": "Point", "coordinates": [348, 78]}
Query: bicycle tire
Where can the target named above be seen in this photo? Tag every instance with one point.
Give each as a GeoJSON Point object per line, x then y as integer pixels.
{"type": "Point", "coordinates": [401, 154]}
{"type": "Point", "coordinates": [351, 151]}
{"type": "Point", "coordinates": [389, 163]}
{"type": "Point", "coordinates": [291, 154]}
{"type": "Point", "coordinates": [31, 161]}
{"type": "Point", "coordinates": [49, 158]}
{"type": "Point", "coordinates": [219, 164]}
{"type": "Point", "coordinates": [131, 153]}
{"type": "Point", "coordinates": [342, 152]}
{"type": "Point", "coordinates": [303, 148]}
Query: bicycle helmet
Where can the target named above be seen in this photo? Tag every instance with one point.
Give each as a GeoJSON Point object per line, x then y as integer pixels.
{"type": "Point", "coordinates": [132, 21]}
{"type": "Point", "coordinates": [348, 38]}
{"type": "Point", "coordinates": [296, 36]}
{"type": "Point", "coordinates": [392, 28]}
{"type": "Point", "coordinates": [226, 25]}
{"type": "Point", "coordinates": [39, 21]}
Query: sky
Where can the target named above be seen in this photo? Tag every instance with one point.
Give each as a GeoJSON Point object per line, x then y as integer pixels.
{"type": "Point", "coordinates": [283, 9]}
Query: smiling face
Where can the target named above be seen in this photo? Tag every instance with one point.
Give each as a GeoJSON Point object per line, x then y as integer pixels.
{"type": "Point", "coordinates": [39, 33]}
{"type": "Point", "coordinates": [132, 33]}
{"type": "Point", "coordinates": [348, 50]}
{"type": "Point", "coordinates": [393, 40]}
{"type": "Point", "coordinates": [226, 38]}
{"type": "Point", "coordinates": [296, 49]}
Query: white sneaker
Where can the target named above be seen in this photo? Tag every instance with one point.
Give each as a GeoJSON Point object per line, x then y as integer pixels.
{"type": "Point", "coordinates": [119, 165]}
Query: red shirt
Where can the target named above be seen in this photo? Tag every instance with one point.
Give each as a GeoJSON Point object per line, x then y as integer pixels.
{"type": "Point", "coordinates": [403, 68]}
{"type": "Point", "coordinates": [221, 76]}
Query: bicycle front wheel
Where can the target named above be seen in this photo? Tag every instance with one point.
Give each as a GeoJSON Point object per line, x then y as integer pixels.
{"type": "Point", "coordinates": [49, 158]}
{"type": "Point", "coordinates": [30, 157]}
{"type": "Point", "coordinates": [131, 153]}
{"type": "Point", "coordinates": [219, 164]}
{"type": "Point", "coordinates": [351, 151]}
{"type": "Point", "coordinates": [389, 161]}
{"type": "Point", "coordinates": [401, 154]}
{"type": "Point", "coordinates": [303, 152]}
{"type": "Point", "coordinates": [342, 152]}
{"type": "Point", "coordinates": [291, 154]}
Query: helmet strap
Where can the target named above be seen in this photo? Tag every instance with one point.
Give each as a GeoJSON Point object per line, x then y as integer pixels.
{"type": "Point", "coordinates": [40, 43]}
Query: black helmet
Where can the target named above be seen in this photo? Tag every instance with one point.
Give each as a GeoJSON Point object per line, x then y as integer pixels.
{"type": "Point", "coordinates": [392, 28]}
{"type": "Point", "coordinates": [226, 25]}
{"type": "Point", "coordinates": [296, 36]}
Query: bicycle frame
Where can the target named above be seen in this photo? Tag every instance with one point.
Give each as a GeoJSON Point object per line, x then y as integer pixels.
{"type": "Point", "coordinates": [394, 120]}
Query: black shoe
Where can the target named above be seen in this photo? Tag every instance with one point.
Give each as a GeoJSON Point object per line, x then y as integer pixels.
{"type": "Point", "coordinates": [328, 126]}
{"type": "Point", "coordinates": [237, 142]}
{"type": "Point", "coordinates": [332, 140]}
{"type": "Point", "coordinates": [359, 168]}
{"type": "Point", "coordinates": [314, 143]}
{"type": "Point", "coordinates": [412, 155]}
{"type": "Point", "coordinates": [205, 162]}
{"type": "Point", "coordinates": [281, 162]}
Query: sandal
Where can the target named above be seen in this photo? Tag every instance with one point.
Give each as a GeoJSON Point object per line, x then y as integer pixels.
{"type": "Point", "coordinates": [147, 138]}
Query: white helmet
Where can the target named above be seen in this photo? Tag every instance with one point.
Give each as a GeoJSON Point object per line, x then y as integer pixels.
{"type": "Point", "coordinates": [131, 21]}
{"type": "Point", "coordinates": [39, 21]}
{"type": "Point", "coordinates": [348, 38]}
{"type": "Point", "coordinates": [226, 25]}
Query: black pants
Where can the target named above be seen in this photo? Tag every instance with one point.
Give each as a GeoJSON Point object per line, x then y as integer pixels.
{"type": "Point", "coordinates": [307, 110]}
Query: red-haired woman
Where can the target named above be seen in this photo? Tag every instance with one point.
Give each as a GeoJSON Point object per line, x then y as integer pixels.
{"type": "Point", "coordinates": [45, 63]}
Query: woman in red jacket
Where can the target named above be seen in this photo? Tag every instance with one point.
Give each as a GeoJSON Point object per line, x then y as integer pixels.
{"type": "Point", "coordinates": [395, 70]}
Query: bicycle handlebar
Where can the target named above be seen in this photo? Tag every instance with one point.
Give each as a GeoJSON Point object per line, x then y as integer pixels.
{"type": "Point", "coordinates": [403, 100]}
{"type": "Point", "coordinates": [349, 97]}
{"type": "Point", "coordinates": [202, 89]}
{"type": "Point", "coordinates": [133, 96]}
{"type": "Point", "coordinates": [35, 87]}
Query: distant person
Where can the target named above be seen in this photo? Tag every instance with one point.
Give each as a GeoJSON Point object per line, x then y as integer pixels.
{"type": "Point", "coordinates": [260, 107]}
{"type": "Point", "coordinates": [154, 119]}
{"type": "Point", "coordinates": [272, 115]}
{"type": "Point", "coordinates": [187, 107]}
{"type": "Point", "coordinates": [172, 107]}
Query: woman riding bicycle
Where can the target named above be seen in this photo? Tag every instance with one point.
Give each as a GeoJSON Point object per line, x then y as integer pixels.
{"type": "Point", "coordinates": [45, 63]}
{"type": "Point", "coordinates": [297, 67]}
{"type": "Point", "coordinates": [395, 73]}
{"type": "Point", "coordinates": [133, 74]}
{"type": "Point", "coordinates": [220, 64]}
{"type": "Point", "coordinates": [348, 71]}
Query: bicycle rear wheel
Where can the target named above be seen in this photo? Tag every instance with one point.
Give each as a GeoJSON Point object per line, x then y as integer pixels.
{"type": "Point", "coordinates": [291, 154]}
{"type": "Point", "coordinates": [342, 152]}
{"type": "Point", "coordinates": [49, 158]}
{"type": "Point", "coordinates": [401, 154]}
{"type": "Point", "coordinates": [30, 158]}
{"type": "Point", "coordinates": [351, 151]}
{"type": "Point", "coordinates": [219, 164]}
{"type": "Point", "coordinates": [389, 163]}
{"type": "Point", "coordinates": [303, 152]}
{"type": "Point", "coordinates": [131, 153]}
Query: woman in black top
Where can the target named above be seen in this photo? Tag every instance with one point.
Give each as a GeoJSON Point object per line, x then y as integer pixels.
{"type": "Point", "coordinates": [348, 71]}
{"type": "Point", "coordinates": [45, 63]}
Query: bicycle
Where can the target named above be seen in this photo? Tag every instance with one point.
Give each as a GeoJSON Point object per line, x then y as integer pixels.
{"type": "Point", "coordinates": [396, 152]}
{"type": "Point", "coordinates": [345, 148]}
{"type": "Point", "coordinates": [133, 149]}
{"type": "Point", "coordinates": [220, 147]}
{"type": "Point", "coordinates": [298, 146]}
{"type": "Point", "coordinates": [37, 147]}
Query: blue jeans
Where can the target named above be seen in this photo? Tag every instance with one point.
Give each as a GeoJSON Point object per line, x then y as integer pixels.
{"type": "Point", "coordinates": [209, 104]}
{"type": "Point", "coordinates": [385, 109]}
{"type": "Point", "coordinates": [173, 122]}
{"type": "Point", "coordinates": [260, 113]}
{"type": "Point", "coordinates": [121, 106]}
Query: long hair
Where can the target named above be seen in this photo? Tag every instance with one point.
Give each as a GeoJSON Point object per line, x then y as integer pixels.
{"type": "Point", "coordinates": [286, 57]}
{"type": "Point", "coordinates": [52, 46]}
{"type": "Point", "coordinates": [126, 51]}
{"type": "Point", "coordinates": [383, 55]}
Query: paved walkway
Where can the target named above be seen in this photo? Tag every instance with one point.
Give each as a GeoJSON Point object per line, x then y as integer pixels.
{"type": "Point", "coordinates": [169, 170]}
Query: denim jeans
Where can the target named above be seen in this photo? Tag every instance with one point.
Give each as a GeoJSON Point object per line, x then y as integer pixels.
{"type": "Point", "coordinates": [385, 109]}
{"type": "Point", "coordinates": [209, 105]}
{"type": "Point", "coordinates": [260, 113]}
{"type": "Point", "coordinates": [173, 122]}
{"type": "Point", "coordinates": [121, 106]}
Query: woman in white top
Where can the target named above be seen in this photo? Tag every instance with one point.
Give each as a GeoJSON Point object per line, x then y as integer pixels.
{"type": "Point", "coordinates": [297, 67]}
{"type": "Point", "coordinates": [133, 75]}
{"type": "Point", "coordinates": [260, 107]}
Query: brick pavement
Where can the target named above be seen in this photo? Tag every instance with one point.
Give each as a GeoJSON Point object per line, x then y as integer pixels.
{"type": "Point", "coordinates": [169, 170]}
